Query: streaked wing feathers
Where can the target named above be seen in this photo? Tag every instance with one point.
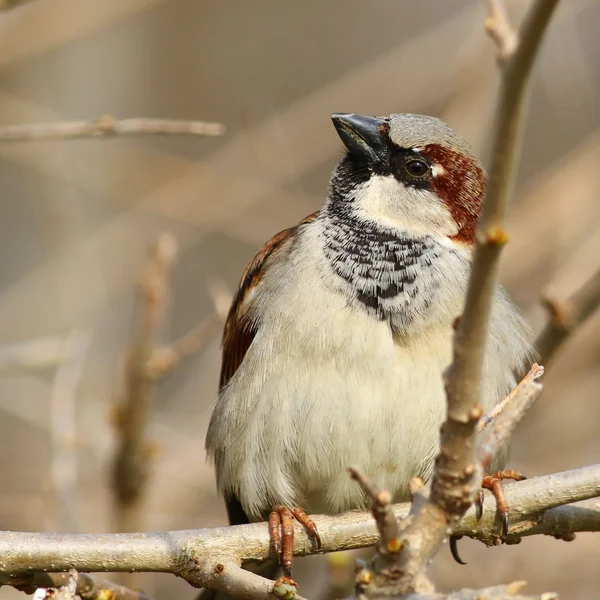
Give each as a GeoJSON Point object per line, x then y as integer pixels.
{"type": "Point", "coordinates": [240, 331]}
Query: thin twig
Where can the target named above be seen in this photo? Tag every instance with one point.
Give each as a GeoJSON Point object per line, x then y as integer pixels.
{"type": "Point", "coordinates": [87, 586]}
{"type": "Point", "coordinates": [107, 126]}
{"type": "Point", "coordinates": [499, 28]}
{"type": "Point", "coordinates": [567, 315]}
{"type": "Point", "coordinates": [131, 461]}
{"type": "Point", "coordinates": [382, 512]}
{"type": "Point", "coordinates": [457, 474]}
{"type": "Point", "coordinates": [210, 557]}
{"type": "Point", "coordinates": [535, 373]}
{"type": "Point", "coordinates": [165, 359]}
{"type": "Point", "coordinates": [42, 353]}
{"type": "Point", "coordinates": [8, 4]}
{"type": "Point", "coordinates": [498, 433]}
{"type": "Point", "coordinates": [63, 429]}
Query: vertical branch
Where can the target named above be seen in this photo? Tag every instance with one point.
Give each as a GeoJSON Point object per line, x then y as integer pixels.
{"type": "Point", "coordinates": [63, 428]}
{"type": "Point", "coordinates": [131, 461]}
{"type": "Point", "coordinates": [567, 315]}
{"type": "Point", "coordinates": [457, 475]}
{"type": "Point", "coordinates": [456, 461]}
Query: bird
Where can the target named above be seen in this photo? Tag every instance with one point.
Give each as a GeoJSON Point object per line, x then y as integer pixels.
{"type": "Point", "coordinates": [341, 328]}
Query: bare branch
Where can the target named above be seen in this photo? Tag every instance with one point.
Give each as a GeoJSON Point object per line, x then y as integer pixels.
{"type": "Point", "coordinates": [497, 592]}
{"type": "Point", "coordinates": [8, 4]}
{"type": "Point", "coordinates": [63, 428]}
{"type": "Point", "coordinates": [567, 315]}
{"type": "Point", "coordinates": [167, 358]}
{"type": "Point", "coordinates": [42, 353]}
{"type": "Point", "coordinates": [457, 474]}
{"type": "Point", "coordinates": [211, 557]}
{"type": "Point", "coordinates": [107, 126]}
{"type": "Point", "coordinates": [88, 587]}
{"type": "Point", "coordinates": [499, 28]}
{"type": "Point", "coordinates": [382, 512]}
{"type": "Point", "coordinates": [535, 373]}
{"type": "Point", "coordinates": [499, 432]}
{"type": "Point", "coordinates": [131, 461]}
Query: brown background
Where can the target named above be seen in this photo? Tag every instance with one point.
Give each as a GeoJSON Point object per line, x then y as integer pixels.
{"type": "Point", "coordinates": [77, 217]}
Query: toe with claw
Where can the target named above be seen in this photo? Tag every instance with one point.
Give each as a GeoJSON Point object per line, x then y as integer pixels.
{"type": "Point", "coordinates": [493, 483]}
{"type": "Point", "coordinates": [281, 531]}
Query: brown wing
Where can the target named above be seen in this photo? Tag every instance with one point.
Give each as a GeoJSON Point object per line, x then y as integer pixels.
{"type": "Point", "coordinates": [239, 330]}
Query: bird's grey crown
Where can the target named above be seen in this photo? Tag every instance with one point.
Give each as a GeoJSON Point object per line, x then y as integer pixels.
{"type": "Point", "coordinates": [411, 130]}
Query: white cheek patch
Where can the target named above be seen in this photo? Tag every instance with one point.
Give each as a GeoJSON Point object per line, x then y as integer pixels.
{"type": "Point", "coordinates": [385, 200]}
{"type": "Point", "coordinates": [437, 170]}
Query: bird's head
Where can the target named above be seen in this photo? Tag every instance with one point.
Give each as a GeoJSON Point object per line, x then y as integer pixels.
{"type": "Point", "coordinates": [408, 172]}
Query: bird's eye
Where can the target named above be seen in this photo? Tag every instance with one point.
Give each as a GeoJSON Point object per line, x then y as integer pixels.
{"type": "Point", "coordinates": [417, 168]}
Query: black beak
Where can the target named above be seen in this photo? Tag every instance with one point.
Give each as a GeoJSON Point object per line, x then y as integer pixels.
{"type": "Point", "coordinates": [363, 136]}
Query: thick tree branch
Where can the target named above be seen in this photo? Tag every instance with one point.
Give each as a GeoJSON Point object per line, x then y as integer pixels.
{"type": "Point", "coordinates": [567, 315]}
{"type": "Point", "coordinates": [107, 126]}
{"type": "Point", "coordinates": [210, 557]}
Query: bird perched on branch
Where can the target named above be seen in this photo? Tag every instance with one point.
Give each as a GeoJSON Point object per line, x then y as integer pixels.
{"type": "Point", "coordinates": [341, 329]}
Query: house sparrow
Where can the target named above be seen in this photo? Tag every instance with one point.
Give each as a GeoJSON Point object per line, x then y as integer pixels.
{"type": "Point", "coordinates": [341, 328]}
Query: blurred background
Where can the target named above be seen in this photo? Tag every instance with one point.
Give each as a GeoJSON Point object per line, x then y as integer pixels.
{"type": "Point", "coordinates": [79, 216]}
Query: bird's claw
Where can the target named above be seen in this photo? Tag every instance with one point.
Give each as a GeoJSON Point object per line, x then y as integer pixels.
{"type": "Point", "coordinates": [281, 531]}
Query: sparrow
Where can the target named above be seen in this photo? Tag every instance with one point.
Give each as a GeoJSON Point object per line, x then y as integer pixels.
{"type": "Point", "coordinates": [341, 328]}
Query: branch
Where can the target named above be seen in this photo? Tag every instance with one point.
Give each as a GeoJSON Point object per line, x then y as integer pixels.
{"type": "Point", "coordinates": [63, 428]}
{"type": "Point", "coordinates": [534, 374]}
{"type": "Point", "coordinates": [87, 587]}
{"type": "Point", "coordinates": [567, 315]}
{"type": "Point", "coordinates": [8, 4]}
{"type": "Point", "coordinates": [165, 359]}
{"type": "Point", "coordinates": [131, 461]}
{"type": "Point", "coordinates": [496, 427]}
{"type": "Point", "coordinates": [457, 474]}
{"type": "Point", "coordinates": [499, 28]}
{"type": "Point", "coordinates": [42, 353]}
{"type": "Point", "coordinates": [107, 126]}
{"type": "Point", "coordinates": [211, 557]}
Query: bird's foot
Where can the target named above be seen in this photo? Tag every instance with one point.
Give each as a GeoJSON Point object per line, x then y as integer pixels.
{"type": "Point", "coordinates": [281, 531]}
{"type": "Point", "coordinates": [493, 483]}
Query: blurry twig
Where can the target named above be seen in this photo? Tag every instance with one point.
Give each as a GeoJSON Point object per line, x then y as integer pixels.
{"type": "Point", "coordinates": [36, 354]}
{"type": "Point", "coordinates": [8, 4]}
{"type": "Point", "coordinates": [211, 557]}
{"type": "Point", "coordinates": [86, 586]}
{"type": "Point", "coordinates": [107, 126]}
{"type": "Point", "coordinates": [567, 315]}
{"type": "Point", "coordinates": [499, 28]}
{"type": "Point", "coordinates": [63, 428]}
{"type": "Point", "coordinates": [165, 359]}
{"type": "Point", "coordinates": [133, 453]}
{"type": "Point", "coordinates": [146, 362]}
